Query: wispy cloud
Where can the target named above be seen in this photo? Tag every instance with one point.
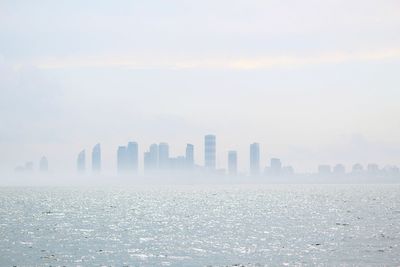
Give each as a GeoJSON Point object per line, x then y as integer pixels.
{"type": "Point", "coordinates": [270, 62]}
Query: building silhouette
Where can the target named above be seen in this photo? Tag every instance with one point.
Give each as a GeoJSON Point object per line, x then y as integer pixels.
{"type": "Point", "coordinates": [163, 156]}
{"type": "Point", "coordinates": [96, 158]}
{"type": "Point", "coordinates": [372, 169]}
{"type": "Point", "coordinates": [357, 168]}
{"type": "Point", "coordinates": [232, 162]}
{"type": "Point", "coordinates": [255, 159]}
{"type": "Point", "coordinates": [121, 159]}
{"type": "Point", "coordinates": [324, 169]}
{"type": "Point", "coordinates": [339, 169]}
{"type": "Point", "coordinates": [189, 156]}
{"type": "Point", "coordinates": [151, 158]}
{"type": "Point", "coordinates": [210, 152]}
{"type": "Point", "coordinates": [287, 170]}
{"type": "Point", "coordinates": [81, 161]}
{"type": "Point", "coordinates": [276, 166]}
{"type": "Point", "coordinates": [132, 157]}
{"type": "Point", "coordinates": [29, 166]}
{"type": "Point", "coordinates": [391, 171]}
{"type": "Point", "coordinates": [177, 163]}
{"type": "Point", "coordinates": [43, 164]}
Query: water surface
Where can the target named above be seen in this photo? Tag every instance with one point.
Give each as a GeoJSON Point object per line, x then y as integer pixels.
{"type": "Point", "coordinates": [253, 225]}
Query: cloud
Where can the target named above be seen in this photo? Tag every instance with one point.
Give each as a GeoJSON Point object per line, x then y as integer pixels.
{"type": "Point", "coordinates": [270, 62]}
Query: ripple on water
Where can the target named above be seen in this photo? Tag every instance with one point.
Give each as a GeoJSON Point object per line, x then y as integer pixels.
{"type": "Point", "coordinates": [201, 226]}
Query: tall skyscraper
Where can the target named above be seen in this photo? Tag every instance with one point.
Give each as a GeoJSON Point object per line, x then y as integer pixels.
{"type": "Point", "coordinates": [255, 159]}
{"type": "Point", "coordinates": [232, 162]}
{"type": "Point", "coordinates": [151, 158]}
{"type": "Point", "coordinates": [121, 159]}
{"type": "Point", "coordinates": [43, 164]}
{"type": "Point", "coordinates": [81, 161]}
{"type": "Point", "coordinates": [209, 152]}
{"type": "Point", "coordinates": [132, 157]}
{"type": "Point", "coordinates": [163, 156]}
{"type": "Point", "coordinates": [276, 166]}
{"type": "Point", "coordinates": [189, 156]}
{"type": "Point", "coordinates": [96, 158]}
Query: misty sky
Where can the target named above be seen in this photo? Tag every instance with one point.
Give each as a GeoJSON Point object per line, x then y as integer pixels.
{"type": "Point", "coordinates": [311, 81]}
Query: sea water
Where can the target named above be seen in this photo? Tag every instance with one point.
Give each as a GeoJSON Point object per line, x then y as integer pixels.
{"type": "Point", "coordinates": [226, 225]}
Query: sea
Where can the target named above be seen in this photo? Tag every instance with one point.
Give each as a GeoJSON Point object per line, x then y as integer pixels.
{"type": "Point", "coordinates": [201, 225]}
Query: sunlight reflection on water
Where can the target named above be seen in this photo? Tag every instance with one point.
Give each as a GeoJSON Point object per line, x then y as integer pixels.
{"type": "Point", "coordinates": [253, 225]}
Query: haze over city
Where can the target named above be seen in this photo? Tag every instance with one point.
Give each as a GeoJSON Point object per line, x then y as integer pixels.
{"type": "Point", "coordinates": [200, 133]}
{"type": "Point", "coordinates": [313, 83]}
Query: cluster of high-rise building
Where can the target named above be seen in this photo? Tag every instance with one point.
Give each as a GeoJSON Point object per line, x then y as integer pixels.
{"type": "Point", "coordinates": [28, 166]}
{"type": "Point", "coordinates": [372, 169]}
{"type": "Point", "coordinates": [157, 159]}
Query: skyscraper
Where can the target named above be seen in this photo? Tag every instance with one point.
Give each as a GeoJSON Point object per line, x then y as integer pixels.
{"type": "Point", "coordinates": [209, 152]}
{"type": "Point", "coordinates": [96, 158]}
{"type": "Point", "coordinates": [255, 159]}
{"type": "Point", "coordinates": [121, 159]}
{"type": "Point", "coordinates": [151, 158]}
{"type": "Point", "coordinates": [189, 156]}
{"type": "Point", "coordinates": [132, 157]}
{"type": "Point", "coordinates": [81, 161]}
{"type": "Point", "coordinates": [163, 156]}
{"type": "Point", "coordinates": [232, 162]}
{"type": "Point", "coordinates": [276, 166]}
{"type": "Point", "coordinates": [43, 164]}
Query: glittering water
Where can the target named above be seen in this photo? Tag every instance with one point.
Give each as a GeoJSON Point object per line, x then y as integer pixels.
{"type": "Point", "coordinates": [200, 226]}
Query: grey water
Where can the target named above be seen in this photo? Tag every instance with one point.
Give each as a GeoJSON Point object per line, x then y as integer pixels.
{"type": "Point", "coordinates": [225, 225]}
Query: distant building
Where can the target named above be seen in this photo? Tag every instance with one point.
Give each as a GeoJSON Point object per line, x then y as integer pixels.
{"type": "Point", "coordinates": [19, 169]}
{"type": "Point", "coordinates": [163, 156]}
{"type": "Point", "coordinates": [210, 152]}
{"type": "Point", "coordinates": [232, 162]}
{"type": "Point", "coordinates": [189, 156]}
{"type": "Point", "coordinates": [276, 166]}
{"type": "Point", "coordinates": [96, 158]}
{"type": "Point", "coordinates": [357, 168]}
{"type": "Point", "coordinates": [43, 164]}
{"type": "Point", "coordinates": [339, 169]}
{"type": "Point", "coordinates": [287, 170]}
{"type": "Point", "coordinates": [177, 163]}
{"type": "Point", "coordinates": [121, 159]}
{"type": "Point", "coordinates": [372, 169]}
{"type": "Point", "coordinates": [29, 166]}
{"type": "Point", "coordinates": [392, 171]}
{"type": "Point", "coordinates": [324, 169]}
{"type": "Point", "coordinates": [151, 158]}
{"type": "Point", "coordinates": [132, 157]}
{"type": "Point", "coordinates": [81, 161]}
{"type": "Point", "coordinates": [255, 159]}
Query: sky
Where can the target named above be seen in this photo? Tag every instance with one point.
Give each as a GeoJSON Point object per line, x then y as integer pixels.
{"type": "Point", "coordinates": [314, 82]}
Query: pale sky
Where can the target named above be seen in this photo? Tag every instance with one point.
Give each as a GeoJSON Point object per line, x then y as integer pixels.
{"type": "Point", "coordinates": [311, 81]}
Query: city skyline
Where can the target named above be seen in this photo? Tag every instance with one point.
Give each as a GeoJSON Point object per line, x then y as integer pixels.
{"type": "Point", "coordinates": [200, 133]}
{"type": "Point", "coordinates": [317, 85]}
{"type": "Point", "coordinates": [157, 159]}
